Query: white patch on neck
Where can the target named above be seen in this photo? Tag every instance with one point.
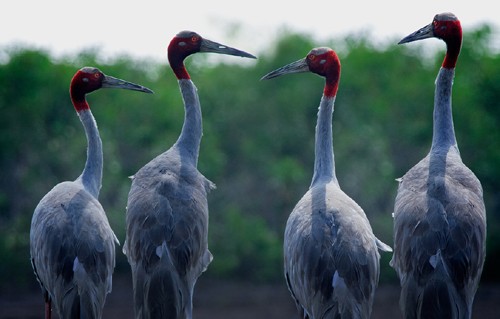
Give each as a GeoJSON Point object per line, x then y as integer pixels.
{"type": "Point", "coordinates": [434, 259]}
{"type": "Point", "coordinates": [76, 264]}
{"type": "Point", "coordinates": [79, 271]}
{"type": "Point", "coordinates": [338, 282]}
{"type": "Point", "coordinates": [163, 253]}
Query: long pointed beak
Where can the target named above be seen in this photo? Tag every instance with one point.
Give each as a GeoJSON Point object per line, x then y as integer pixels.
{"type": "Point", "coordinates": [211, 46]}
{"type": "Point", "coordinates": [112, 82]}
{"type": "Point", "coordinates": [294, 67]}
{"type": "Point", "coordinates": [423, 33]}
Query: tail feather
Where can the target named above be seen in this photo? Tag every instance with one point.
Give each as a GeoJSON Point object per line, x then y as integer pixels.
{"type": "Point", "coordinates": [436, 298]}
{"type": "Point", "coordinates": [86, 299]}
{"type": "Point", "coordinates": [80, 305]}
{"type": "Point", "coordinates": [160, 292]}
{"type": "Point", "coordinates": [164, 301]}
{"type": "Point", "coordinates": [439, 300]}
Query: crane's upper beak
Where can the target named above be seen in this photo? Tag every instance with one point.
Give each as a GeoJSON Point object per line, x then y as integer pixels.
{"type": "Point", "coordinates": [423, 33]}
{"type": "Point", "coordinates": [211, 46]}
{"type": "Point", "coordinates": [112, 82]}
{"type": "Point", "coordinates": [294, 67]}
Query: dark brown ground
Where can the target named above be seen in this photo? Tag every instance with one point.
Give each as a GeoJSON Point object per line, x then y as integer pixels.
{"type": "Point", "coordinates": [235, 300]}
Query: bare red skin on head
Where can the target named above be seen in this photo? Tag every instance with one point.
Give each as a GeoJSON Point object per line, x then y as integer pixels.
{"type": "Point", "coordinates": [179, 49]}
{"type": "Point", "coordinates": [451, 33]}
{"type": "Point", "coordinates": [83, 83]}
{"type": "Point", "coordinates": [328, 66]}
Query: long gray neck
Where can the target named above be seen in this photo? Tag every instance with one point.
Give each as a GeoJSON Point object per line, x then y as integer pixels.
{"type": "Point", "coordinates": [192, 129]}
{"type": "Point", "coordinates": [443, 132]}
{"type": "Point", "coordinates": [92, 173]}
{"type": "Point", "coordinates": [324, 164]}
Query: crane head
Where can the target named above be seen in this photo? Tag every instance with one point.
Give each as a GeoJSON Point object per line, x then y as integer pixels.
{"type": "Point", "coordinates": [322, 61]}
{"type": "Point", "coordinates": [445, 26]}
{"type": "Point", "coordinates": [186, 43]}
{"type": "Point", "coordinates": [89, 79]}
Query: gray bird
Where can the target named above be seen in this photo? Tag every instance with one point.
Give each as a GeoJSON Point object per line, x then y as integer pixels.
{"type": "Point", "coordinates": [330, 252]}
{"type": "Point", "coordinates": [439, 213]}
{"type": "Point", "coordinates": [167, 210]}
{"type": "Point", "coordinates": [72, 245]}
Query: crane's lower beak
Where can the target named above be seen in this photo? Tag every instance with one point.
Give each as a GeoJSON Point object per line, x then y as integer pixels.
{"type": "Point", "coordinates": [423, 33]}
{"type": "Point", "coordinates": [294, 67]}
{"type": "Point", "coordinates": [211, 46]}
{"type": "Point", "coordinates": [112, 82]}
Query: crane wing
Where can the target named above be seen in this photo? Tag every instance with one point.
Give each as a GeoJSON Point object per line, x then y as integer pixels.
{"type": "Point", "coordinates": [72, 248]}
{"type": "Point", "coordinates": [167, 207]}
{"type": "Point", "coordinates": [331, 256]}
{"type": "Point", "coordinates": [440, 229]}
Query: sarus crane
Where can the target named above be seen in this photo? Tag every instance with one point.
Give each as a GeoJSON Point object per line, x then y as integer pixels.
{"type": "Point", "coordinates": [439, 212]}
{"type": "Point", "coordinates": [72, 245]}
{"type": "Point", "coordinates": [331, 256]}
{"type": "Point", "coordinates": [167, 209]}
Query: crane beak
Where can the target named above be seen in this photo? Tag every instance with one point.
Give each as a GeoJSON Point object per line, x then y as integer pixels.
{"type": "Point", "coordinates": [423, 33]}
{"type": "Point", "coordinates": [211, 46]}
{"type": "Point", "coordinates": [299, 66]}
{"type": "Point", "coordinates": [112, 82]}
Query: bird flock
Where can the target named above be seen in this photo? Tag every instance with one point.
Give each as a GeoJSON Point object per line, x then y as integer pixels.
{"type": "Point", "coordinates": [331, 255]}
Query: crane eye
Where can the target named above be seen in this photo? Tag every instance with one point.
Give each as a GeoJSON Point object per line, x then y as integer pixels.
{"type": "Point", "coordinates": [311, 57]}
{"type": "Point", "coordinates": [194, 38]}
{"type": "Point", "coordinates": [96, 75]}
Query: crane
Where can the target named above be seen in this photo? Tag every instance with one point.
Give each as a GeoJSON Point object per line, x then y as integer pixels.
{"type": "Point", "coordinates": [331, 257]}
{"type": "Point", "coordinates": [167, 209]}
{"type": "Point", "coordinates": [439, 213]}
{"type": "Point", "coordinates": [72, 245]}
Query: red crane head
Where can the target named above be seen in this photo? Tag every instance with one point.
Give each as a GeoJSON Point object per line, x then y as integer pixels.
{"type": "Point", "coordinates": [444, 26]}
{"type": "Point", "coordinates": [186, 43]}
{"type": "Point", "coordinates": [322, 61]}
{"type": "Point", "coordinates": [89, 79]}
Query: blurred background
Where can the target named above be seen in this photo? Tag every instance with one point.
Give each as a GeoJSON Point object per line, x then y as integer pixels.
{"type": "Point", "coordinates": [257, 147]}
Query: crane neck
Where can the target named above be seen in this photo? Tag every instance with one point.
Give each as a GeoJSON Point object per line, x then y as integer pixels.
{"type": "Point", "coordinates": [324, 163]}
{"type": "Point", "coordinates": [453, 47]}
{"type": "Point", "coordinates": [192, 130]}
{"type": "Point", "coordinates": [91, 176]}
{"type": "Point", "coordinates": [443, 130]}
{"type": "Point", "coordinates": [176, 57]}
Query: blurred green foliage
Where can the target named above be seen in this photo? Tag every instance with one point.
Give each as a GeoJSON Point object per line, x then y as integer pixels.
{"type": "Point", "coordinates": [258, 139]}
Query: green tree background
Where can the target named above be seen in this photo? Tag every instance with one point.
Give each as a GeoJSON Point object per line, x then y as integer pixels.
{"type": "Point", "coordinates": [258, 139]}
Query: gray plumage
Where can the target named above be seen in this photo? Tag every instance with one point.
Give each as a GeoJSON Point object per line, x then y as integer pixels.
{"type": "Point", "coordinates": [72, 245]}
{"type": "Point", "coordinates": [73, 250]}
{"type": "Point", "coordinates": [439, 213]}
{"type": "Point", "coordinates": [167, 209]}
{"type": "Point", "coordinates": [331, 257]}
{"type": "Point", "coordinates": [167, 219]}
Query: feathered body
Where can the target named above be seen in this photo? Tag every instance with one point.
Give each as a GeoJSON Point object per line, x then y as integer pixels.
{"type": "Point", "coordinates": [331, 257]}
{"type": "Point", "coordinates": [167, 209]}
{"type": "Point", "coordinates": [439, 213]}
{"type": "Point", "coordinates": [168, 199]}
{"type": "Point", "coordinates": [72, 245]}
{"type": "Point", "coordinates": [73, 250]}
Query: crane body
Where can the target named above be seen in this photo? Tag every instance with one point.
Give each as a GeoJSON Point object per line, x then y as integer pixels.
{"type": "Point", "coordinates": [168, 199]}
{"type": "Point", "coordinates": [73, 250]}
{"type": "Point", "coordinates": [331, 258]}
{"type": "Point", "coordinates": [439, 212]}
{"type": "Point", "coordinates": [72, 245]}
{"type": "Point", "coordinates": [167, 208]}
